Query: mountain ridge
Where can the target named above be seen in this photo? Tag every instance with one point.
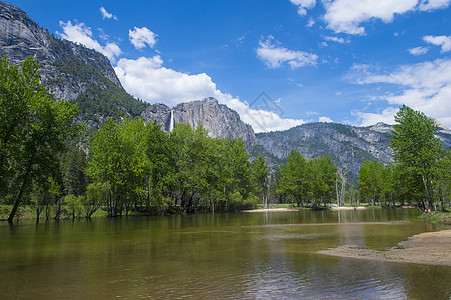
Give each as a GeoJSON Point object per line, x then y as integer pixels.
{"type": "Point", "coordinates": [69, 70]}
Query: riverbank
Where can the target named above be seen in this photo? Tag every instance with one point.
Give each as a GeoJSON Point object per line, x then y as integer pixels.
{"type": "Point", "coordinates": [283, 209]}
{"type": "Point", "coordinates": [437, 217]}
{"type": "Point", "coordinates": [433, 248]}
{"type": "Point", "coordinates": [270, 210]}
{"type": "Point", "coordinates": [337, 208]}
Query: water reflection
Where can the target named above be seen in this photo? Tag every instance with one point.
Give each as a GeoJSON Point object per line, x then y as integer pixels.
{"type": "Point", "coordinates": [216, 256]}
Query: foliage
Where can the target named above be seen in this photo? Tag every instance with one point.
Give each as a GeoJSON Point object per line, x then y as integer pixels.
{"type": "Point", "coordinates": [417, 152]}
{"type": "Point", "coordinates": [307, 180]}
{"type": "Point", "coordinates": [147, 169]}
{"type": "Point", "coordinates": [33, 128]}
{"type": "Point", "coordinates": [422, 168]}
{"type": "Point", "coordinates": [259, 171]}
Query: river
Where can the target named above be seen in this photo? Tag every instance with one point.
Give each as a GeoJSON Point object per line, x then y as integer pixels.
{"type": "Point", "coordinates": [204, 256]}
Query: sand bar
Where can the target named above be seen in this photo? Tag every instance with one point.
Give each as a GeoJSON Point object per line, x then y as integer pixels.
{"type": "Point", "coordinates": [271, 210]}
{"type": "Point", "coordinates": [426, 248]}
{"type": "Point", "coordinates": [347, 208]}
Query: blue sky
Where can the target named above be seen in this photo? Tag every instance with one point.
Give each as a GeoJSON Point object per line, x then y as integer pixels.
{"type": "Point", "coordinates": [346, 61]}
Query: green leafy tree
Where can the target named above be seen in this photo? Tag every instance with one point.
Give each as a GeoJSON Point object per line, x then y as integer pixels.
{"type": "Point", "coordinates": [259, 171]}
{"type": "Point", "coordinates": [33, 127]}
{"type": "Point", "coordinates": [417, 151]}
{"type": "Point", "coordinates": [294, 177]}
{"type": "Point", "coordinates": [372, 180]}
{"type": "Point", "coordinates": [323, 173]}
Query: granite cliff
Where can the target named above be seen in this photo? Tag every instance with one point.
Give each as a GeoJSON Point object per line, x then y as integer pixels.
{"type": "Point", "coordinates": [218, 119]}
{"type": "Point", "coordinates": [69, 71]}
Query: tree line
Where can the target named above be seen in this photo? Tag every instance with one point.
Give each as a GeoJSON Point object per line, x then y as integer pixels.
{"type": "Point", "coordinates": [51, 163]}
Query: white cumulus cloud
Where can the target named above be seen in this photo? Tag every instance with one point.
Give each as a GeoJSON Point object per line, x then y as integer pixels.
{"type": "Point", "coordinates": [418, 50]}
{"type": "Point", "coordinates": [147, 79]}
{"type": "Point", "coordinates": [140, 37]}
{"type": "Point", "coordinates": [106, 15]}
{"type": "Point", "coordinates": [347, 16]}
{"type": "Point", "coordinates": [425, 87]}
{"type": "Point", "coordinates": [441, 40]}
{"type": "Point", "coordinates": [274, 56]}
{"type": "Point", "coordinates": [426, 5]}
{"type": "Point", "coordinates": [82, 34]}
{"type": "Point", "coordinates": [325, 120]}
{"type": "Point", "coordinates": [303, 5]}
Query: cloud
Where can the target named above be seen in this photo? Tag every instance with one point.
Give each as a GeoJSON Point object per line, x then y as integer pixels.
{"type": "Point", "coordinates": [368, 119]}
{"type": "Point", "coordinates": [82, 34]}
{"type": "Point", "coordinates": [418, 50]}
{"type": "Point", "coordinates": [310, 23]}
{"type": "Point", "coordinates": [425, 87]}
{"type": "Point", "coordinates": [426, 5]}
{"type": "Point", "coordinates": [274, 56]}
{"type": "Point", "coordinates": [106, 15]}
{"type": "Point", "coordinates": [347, 16]}
{"type": "Point", "coordinates": [139, 37]}
{"type": "Point", "coordinates": [147, 79]}
{"type": "Point", "coordinates": [325, 120]}
{"type": "Point", "coordinates": [336, 39]}
{"type": "Point", "coordinates": [442, 40]}
{"type": "Point", "coordinates": [303, 5]}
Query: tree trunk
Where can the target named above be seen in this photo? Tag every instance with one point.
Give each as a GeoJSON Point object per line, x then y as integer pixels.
{"type": "Point", "coordinates": [22, 189]}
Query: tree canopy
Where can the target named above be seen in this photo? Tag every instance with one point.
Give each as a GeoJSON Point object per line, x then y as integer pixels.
{"type": "Point", "coordinates": [33, 128]}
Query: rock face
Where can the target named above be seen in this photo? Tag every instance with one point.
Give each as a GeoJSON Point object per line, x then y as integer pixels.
{"type": "Point", "coordinates": [67, 69]}
{"type": "Point", "coordinates": [218, 119]}
{"type": "Point", "coordinates": [348, 146]}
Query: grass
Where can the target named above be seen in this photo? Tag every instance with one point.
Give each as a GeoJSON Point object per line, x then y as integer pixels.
{"type": "Point", "coordinates": [437, 217]}
{"type": "Point", "coordinates": [23, 212]}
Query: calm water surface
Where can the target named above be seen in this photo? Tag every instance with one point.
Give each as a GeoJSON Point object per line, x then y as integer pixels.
{"type": "Point", "coordinates": [241, 256]}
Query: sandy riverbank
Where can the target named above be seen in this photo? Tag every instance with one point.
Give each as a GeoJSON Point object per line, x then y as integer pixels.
{"type": "Point", "coordinates": [271, 210]}
{"type": "Point", "coordinates": [348, 208]}
{"type": "Point", "coordinates": [425, 248]}
{"type": "Point", "coordinates": [298, 209]}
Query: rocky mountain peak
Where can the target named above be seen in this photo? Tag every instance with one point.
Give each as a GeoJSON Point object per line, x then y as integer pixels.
{"type": "Point", "coordinates": [69, 71]}
{"type": "Point", "coordinates": [218, 119]}
{"type": "Point", "coordinates": [381, 127]}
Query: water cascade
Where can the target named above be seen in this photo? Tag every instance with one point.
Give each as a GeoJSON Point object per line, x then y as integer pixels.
{"type": "Point", "coordinates": [171, 122]}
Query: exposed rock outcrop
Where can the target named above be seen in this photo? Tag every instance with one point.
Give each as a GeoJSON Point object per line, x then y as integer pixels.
{"type": "Point", "coordinates": [68, 70]}
{"type": "Point", "coordinates": [218, 119]}
{"type": "Point", "coordinates": [348, 146]}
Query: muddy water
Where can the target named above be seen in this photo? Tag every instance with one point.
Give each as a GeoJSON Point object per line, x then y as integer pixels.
{"type": "Point", "coordinates": [242, 256]}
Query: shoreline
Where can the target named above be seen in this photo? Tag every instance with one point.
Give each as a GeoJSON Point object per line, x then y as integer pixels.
{"type": "Point", "coordinates": [432, 248]}
{"type": "Point", "coordinates": [282, 209]}
{"type": "Point", "coordinates": [270, 210]}
{"type": "Point", "coordinates": [336, 208]}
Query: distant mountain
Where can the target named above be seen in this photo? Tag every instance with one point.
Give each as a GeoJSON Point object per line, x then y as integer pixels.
{"type": "Point", "coordinates": [218, 119]}
{"type": "Point", "coordinates": [70, 71]}
{"type": "Point", "coordinates": [348, 146]}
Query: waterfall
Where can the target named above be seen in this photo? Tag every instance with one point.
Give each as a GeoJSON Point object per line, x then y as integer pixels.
{"type": "Point", "coordinates": [171, 122]}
